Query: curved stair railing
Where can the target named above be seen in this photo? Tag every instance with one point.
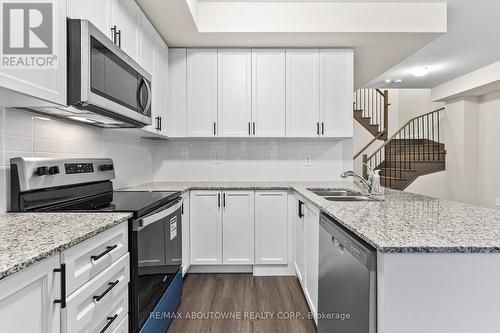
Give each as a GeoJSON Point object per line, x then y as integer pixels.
{"type": "Point", "coordinates": [417, 142]}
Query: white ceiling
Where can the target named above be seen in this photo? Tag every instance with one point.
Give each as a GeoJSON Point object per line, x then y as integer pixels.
{"type": "Point", "coordinates": [472, 42]}
{"type": "Point", "coordinates": [379, 43]}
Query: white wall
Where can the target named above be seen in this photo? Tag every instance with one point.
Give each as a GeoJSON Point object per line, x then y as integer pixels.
{"type": "Point", "coordinates": [26, 134]}
{"type": "Point", "coordinates": [252, 159]}
{"type": "Point", "coordinates": [415, 102]}
{"type": "Point", "coordinates": [471, 133]}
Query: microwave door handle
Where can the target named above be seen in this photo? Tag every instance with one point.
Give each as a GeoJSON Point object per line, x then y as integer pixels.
{"type": "Point", "coordinates": [139, 94]}
{"type": "Point", "coordinates": [148, 87]}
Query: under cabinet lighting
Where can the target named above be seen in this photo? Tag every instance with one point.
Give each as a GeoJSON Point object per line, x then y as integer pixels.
{"type": "Point", "coordinates": [83, 120]}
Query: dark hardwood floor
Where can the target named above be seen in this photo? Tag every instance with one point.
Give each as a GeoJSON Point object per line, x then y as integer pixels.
{"type": "Point", "coordinates": [253, 304]}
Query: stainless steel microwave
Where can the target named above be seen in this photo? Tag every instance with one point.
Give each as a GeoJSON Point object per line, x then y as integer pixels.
{"type": "Point", "coordinates": [104, 80]}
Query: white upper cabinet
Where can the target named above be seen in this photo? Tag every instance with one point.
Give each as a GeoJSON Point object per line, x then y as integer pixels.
{"type": "Point", "coordinates": [234, 93]}
{"type": "Point", "coordinates": [302, 90]}
{"type": "Point", "coordinates": [336, 82]}
{"type": "Point", "coordinates": [268, 93]}
{"type": "Point", "coordinates": [205, 227]}
{"type": "Point", "coordinates": [147, 44]}
{"type": "Point", "coordinates": [46, 84]}
{"type": "Point", "coordinates": [176, 116]}
{"type": "Point", "coordinates": [201, 92]}
{"type": "Point", "coordinates": [27, 299]}
{"type": "Point", "coordinates": [98, 12]}
{"type": "Point", "coordinates": [271, 221]}
{"type": "Point", "coordinates": [238, 227]}
{"type": "Point", "coordinates": [125, 15]}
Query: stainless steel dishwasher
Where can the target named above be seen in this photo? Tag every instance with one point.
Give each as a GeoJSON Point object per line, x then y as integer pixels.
{"type": "Point", "coordinates": [347, 281]}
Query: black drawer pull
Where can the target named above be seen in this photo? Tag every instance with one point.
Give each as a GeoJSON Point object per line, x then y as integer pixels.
{"type": "Point", "coordinates": [111, 286]}
{"type": "Point", "coordinates": [110, 321]}
{"type": "Point", "coordinates": [62, 301]}
{"type": "Point", "coordinates": [108, 249]}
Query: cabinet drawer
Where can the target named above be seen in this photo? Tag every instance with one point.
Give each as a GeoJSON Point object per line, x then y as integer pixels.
{"type": "Point", "coordinates": [105, 296]}
{"type": "Point", "coordinates": [87, 259]}
{"type": "Point", "coordinates": [123, 326]}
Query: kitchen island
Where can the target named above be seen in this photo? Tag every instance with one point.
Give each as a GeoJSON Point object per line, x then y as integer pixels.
{"type": "Point", "coordinates": [438, 261]}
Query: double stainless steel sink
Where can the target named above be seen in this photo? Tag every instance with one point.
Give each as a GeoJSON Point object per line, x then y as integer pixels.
{"type": "Point", "coordinates": [342, 195]}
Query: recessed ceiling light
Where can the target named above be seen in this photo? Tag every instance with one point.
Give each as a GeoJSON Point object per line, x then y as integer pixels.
{"type": "Point", "coordinates": [398, 81]}
{"type": "Point", "coordinates": [388, 81]}
{"type": "Point", "coordinates": [420, 71]}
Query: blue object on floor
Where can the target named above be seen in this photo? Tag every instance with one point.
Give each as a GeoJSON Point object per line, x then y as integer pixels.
{"type": "Point", "coordinates": [165, 310]}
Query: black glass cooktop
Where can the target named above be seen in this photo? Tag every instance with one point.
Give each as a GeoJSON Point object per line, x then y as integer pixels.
{"type": "Point", "coordinates": [138, 203]}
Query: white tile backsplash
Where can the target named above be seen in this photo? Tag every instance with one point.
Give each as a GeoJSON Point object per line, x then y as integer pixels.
{"type": "Point", "coordinates": [26, 134]}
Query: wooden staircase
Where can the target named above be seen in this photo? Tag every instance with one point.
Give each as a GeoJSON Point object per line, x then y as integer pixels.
{"type": "Point", "coordinates": [413, 151]}
{"type": "Point", "coordinates": [371, 108]}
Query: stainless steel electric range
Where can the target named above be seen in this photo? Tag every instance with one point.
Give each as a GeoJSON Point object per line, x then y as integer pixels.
{"type": "Point", "coordinates": [155, 245]}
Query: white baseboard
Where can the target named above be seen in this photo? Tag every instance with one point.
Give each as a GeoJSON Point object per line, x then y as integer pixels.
{"type": "Point", "coordinates": [220, 269]}
{"type": "Point", "coordinates": [272, 270]}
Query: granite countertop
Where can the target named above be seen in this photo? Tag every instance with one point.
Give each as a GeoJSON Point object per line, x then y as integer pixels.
{"type": "Point", "coordinates": [402, 223]}
{"type": "Point", "coordinates": [27, 238]}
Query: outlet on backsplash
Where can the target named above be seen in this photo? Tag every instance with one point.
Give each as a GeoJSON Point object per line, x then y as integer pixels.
{"type": "Point", "coordinates": [307, 161]}
{"type": "Point", "coordinates": [217, 159]}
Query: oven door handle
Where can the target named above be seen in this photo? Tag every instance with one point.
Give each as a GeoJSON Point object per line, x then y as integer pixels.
{"type": "Point", "coordinates": [147, 220]}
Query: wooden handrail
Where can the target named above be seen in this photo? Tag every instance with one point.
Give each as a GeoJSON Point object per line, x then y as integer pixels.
{"type": "Point", "coordinates": [370, 143]}
{"type": "Point", "coordinates": [401, 129]}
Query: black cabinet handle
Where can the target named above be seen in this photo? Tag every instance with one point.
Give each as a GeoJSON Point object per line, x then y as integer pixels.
{"type": "Point", "coordinates": [119, 33]}
{"type": "Point", "coordinates": [157, 123]}
{"type": "Point", "coordinates": [254, 128]}
{"type": "Point", "coordinates": [160, 122]}
{"type": "Point", "coordinates": [323, 128]}
{"type": "Point", "coordinates": [249, 131]}
{"type": "Point", "coordinates": [110, 321]}
{"type": "Point", "coordinates": [100, 255]}
{"type": "Point", "coordinates": [301, 213]}
{"type": "Point", "coordinates": [113, 34]}
{"type": "Point", "coordinates": [62, 270]}
{"type": "Point", "coordinates": [182, 208]}
{"type": "Point", "coordinates": [111, 286]}
{"type": "Point", "coordinates": [224, 200]}
{"type": "Point", "coordinates": [317, 128]}
{"type": "Point", "coordinates": [215, 133]}
{"type": "Point", "coordinates": [218, 199]}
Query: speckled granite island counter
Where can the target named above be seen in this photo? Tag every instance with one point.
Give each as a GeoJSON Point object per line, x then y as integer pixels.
{"type": "Point", "coordinates": [28, 238]}
{"type": "Point", "coordinates": [438, 261]}
{"type": "Point", "coordinates": [402, 223]}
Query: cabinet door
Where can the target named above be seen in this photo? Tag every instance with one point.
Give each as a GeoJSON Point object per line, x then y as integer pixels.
{"type": "Point", "coordinates": [46, 84]}
{"type": "Point", "coordinates": [186, 256]}
{"type": "Point", "coordinates": [98, 12]}
{"type": "Point", "coordinates": [312, 256]}
{"type": "Point", "coordinates": [300, 242]}
{"type": "Point", "coordinates": [27, 299]}
{"type": "Point", "coordinates": [176, 100]}
{"type": "Point", "coordinates": [201, 93]}
{"type": "Point", "coordinates": [268, 93]}
{"type": "Point", "coordinates": [238, 227]}
{"type": "Point", "coordinates": [271, 219]}
{"type": "Point", "coordinates": [147, 44]}
{"type": "Point", "coordinates": [336, 85]}
{"type": "Point", "coordinates": [234, 93]}
{"type": "Point", "coordinates": [126, 19]}
{"type": "Point", "coordinates": [302, 93]}
{"type": "Point", "coordinates": [206, 227]}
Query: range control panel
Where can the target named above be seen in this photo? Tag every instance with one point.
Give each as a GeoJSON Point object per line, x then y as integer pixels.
{"type": "Point", "coordinates": [72, 168]}
{"type": "Point", "coordinates": [38, 173]}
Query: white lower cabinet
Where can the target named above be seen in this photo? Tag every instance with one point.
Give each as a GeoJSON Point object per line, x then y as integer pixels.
{"type": "Point", "coordinates": [123, 326]}
{"type": "Point", "coordinates": [27, 299]}
{"type": "Point", "coordinates": [271, 227]}
{"type": "Point", "coordinates": [206, 227]}
{"type": "Point", "coordinates": [238, 227]}
{"type": "Point", "coordinates": [307, 250]}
